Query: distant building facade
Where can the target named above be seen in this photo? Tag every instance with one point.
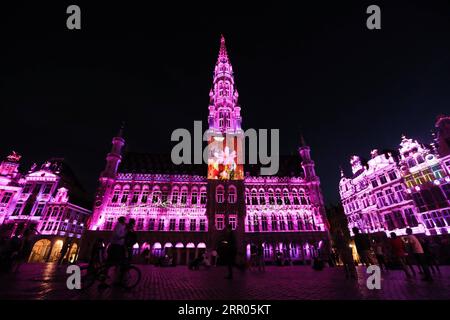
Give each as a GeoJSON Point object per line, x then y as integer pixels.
{"type": "Point", "coordinates": [395, 191]}
{"type": "Point", "coordinates": [47, 199]}
{"type": "Point", "coordinates": [183, 210]}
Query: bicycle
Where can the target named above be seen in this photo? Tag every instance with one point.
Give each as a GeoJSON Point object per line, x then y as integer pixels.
{"type": "Point", "coordinates": [128, 274]}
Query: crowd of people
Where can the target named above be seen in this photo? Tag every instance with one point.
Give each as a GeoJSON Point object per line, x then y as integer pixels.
{"type": "Point", "coordinates": [407, 252]}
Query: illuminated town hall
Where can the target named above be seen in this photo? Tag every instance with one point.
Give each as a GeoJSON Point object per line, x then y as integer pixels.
{"type": "Point", "coordinates": [183, 210]}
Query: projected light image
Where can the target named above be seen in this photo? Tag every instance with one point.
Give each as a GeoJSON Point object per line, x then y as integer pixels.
{"type": "Point", "coordinates": [223, 159]}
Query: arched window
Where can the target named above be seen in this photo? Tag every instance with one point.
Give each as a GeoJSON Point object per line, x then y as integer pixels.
{"type": "Point", "coordinates": [156, 196]}
{"type": "Point", "coordinates": [262, 197]}
{"type": "Point", "coordinates": [221, 116]}
{"type": "Point", "coordinates": [300, 223]}
{"type": "Point", "coordinates": [278, 196]}
{"type": "Point", "coordinates": [295, 197]}
{"type": "Point", "coordinates": [220, 194]}
{"type": "Point", "coordinates": [286, 197]}
{"type": "Point", "coordinates": [125, 193]}
{"type": "Point", "coordinates": [175, 193]}
{"type": "Point", "coordinates": [303, 198]}
{"type": "Point", "coordinates": [116, 194]}
{"type": "Point", "coordinates": [254, 197]}
{"type": "Point", "coordinates": [247, 197]}
{"type": "Point", "coordinates": [271, 197]}
{"type": "Point", "coordinates": [136, 193]}
{"type": "Point", "coordinates": [194, 195]}
{"type": "Point", "coordinates": [203, 195]}
{"type": "Point", "coordinates": [274, 222]}
{"type": "Point", "coordinates": [145, 192]}
{"type": "Point", "coordinates": [232, 194]}
{"type": "Point", "coordinates": [290, 225]}
{"type": "Point", "coordinates": [282, 223]}
{"type": "Point", "coordinates": [184, 195]}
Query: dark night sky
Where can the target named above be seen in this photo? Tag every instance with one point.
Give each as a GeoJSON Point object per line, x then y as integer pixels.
{"type": "Point", "coordinates": [64, 93]}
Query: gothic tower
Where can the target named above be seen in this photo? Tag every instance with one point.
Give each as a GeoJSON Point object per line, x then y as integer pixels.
{"type": "Point", "coordinates": [107, 178]}
{"type": "Point", "coordinates": [226, 204]}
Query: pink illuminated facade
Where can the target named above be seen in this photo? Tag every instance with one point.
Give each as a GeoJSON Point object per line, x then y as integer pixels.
{"type": "Point", "coordinates": [183, 210]}
{"type": "Point", "coordinates": [47, 199]}
{"type": "Point", "coordinates": [409, 189]}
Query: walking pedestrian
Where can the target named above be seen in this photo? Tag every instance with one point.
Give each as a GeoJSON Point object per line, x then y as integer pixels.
{"type": "Point", "coordinates": [363, 247]}
{"type": "Point", "coordinates": [260, 258]}
{"type": "Point", "coordinates": [399, 253]}
{"type": "Point", "coordinates": [379, 253]}
{"type": "Point", "coordinates": [130, 239]}
{"type": "Point", "coordinates": [345, 254]}
{"type": "Point", "coordinates": [419, 254]}
{"type": "Point", "coordinates": [231, 250]}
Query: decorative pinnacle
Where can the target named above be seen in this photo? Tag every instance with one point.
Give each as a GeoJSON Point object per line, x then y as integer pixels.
{"type": "Point", "coordinates": [223, 55]}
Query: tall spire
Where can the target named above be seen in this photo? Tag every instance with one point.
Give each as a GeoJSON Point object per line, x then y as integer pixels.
{"type": "Point", "coordinates": [223, 54]}
{"type": "Point", "coordinates": [224, 110]}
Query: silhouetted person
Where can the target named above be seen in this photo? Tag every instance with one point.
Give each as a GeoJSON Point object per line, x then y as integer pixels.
{"type": "Point", "coordinates": [231, 250]}
{"type": "Point", "coordinates": [345, 254]}
{"type": "Point", "coordinates": [130, 239]}
{"type": "Point", "coordinates": [418, 254]}
{"type": "Point", "coordinates": [381, 257]}
{"type": "Point", "coordinates": [116, 250]}
{"type": "Point", "coordinates": [260, 257]}
{"type": "Point", "coordinates": [363, 247]}
{"type": "Point", "coordinates": [432, 251]}
{"type": "Point", "coordinates": [399, 253]}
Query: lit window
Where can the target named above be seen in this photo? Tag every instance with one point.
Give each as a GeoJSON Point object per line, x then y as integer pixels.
{"type": "Point", "coordinates": [135, 197]}
{"type": "Point", "coordinates": [48, 188]}
{"type": "Point", "coordinates": [175, 196]}
{"type": "Point", "coordinates": [161, 225]}
{"type": "Point", "coordinates": [125, 196]}
{"type": "Point", "coordinates": [219, 194]}
{"type": "Point", "coordinates": [144, 196]}
{"type": "Point", "coordinates": [182, 225]}
{"type": "Point", "coordinates": [219, 223]}
{"type": "Point", "coordinates": [232, 222]}
{"type": "Point", "coordinates": [6, 197]}
{"type": "Point", "coordinates": [193, 225]}
{"type": "Point", "coordinates": [172, 223]}
{"type": "Point", "coordinates": [232, 194]}
{"type": "Point", "coordinates": [39, 209]}
{"type": "Point", "coordinates": [115, 197]}
{"type": "Point", "coordinates": [194, 197]}
{"type": "Point", "coordinates": [151, 224]}
{"type": "Point", "coordinates": [286, 197]}
{"type": "Point", "coordinates": [202, 224]}
{"type": "Point", "coordinates": [17, 209]}
{"type": "Point", "coordinates": [278, 196]}
{"type": "Point", "coordinates": [264, 223]}
{"type": "Point", "coordinates": [203, 197]}
{"type": "Point", "coordinates": [184, 196]}
{"type": "Point", "coordinates": [156, 195]}
{"type": "Point", "coordinates": [274, 223]}
{"type": "Point", "coordinates": [262, 197]}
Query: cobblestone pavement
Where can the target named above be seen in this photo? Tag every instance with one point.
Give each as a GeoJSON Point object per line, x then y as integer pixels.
{"type": "Point", "coordinates": [47, 281]}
